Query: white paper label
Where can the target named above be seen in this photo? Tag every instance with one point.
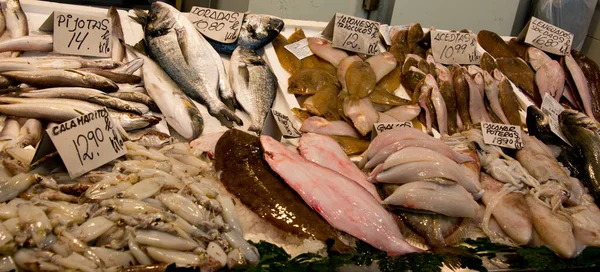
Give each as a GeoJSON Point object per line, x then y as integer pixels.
{"type": "Point", "coordinates": [354, 34]}
{"type": "Point", "coordinates": [381, 127]}
{"type": "Point", "coordinates": [548, 37]}
{"type": "Point", "coordinates": [300, 49]}
{"type": "Point", "coordinates": [551, 108]}
{"type": "Point", "coordinates": [457, 143]}
{"type": "Point", "coordinates": [454, 47]}
{"type": "Point", "coordinates": [384, 30]}
{"type": "Point", "coordinates": [502, 135]}
{"type": "Point", "coordinates": [87, 142]}
{"type": "Point", "coordinates": [285, 125]}
{"type": "Point", "coordinates": [84, 35]}
{"type": "Point", "coordinates": [219, 25]}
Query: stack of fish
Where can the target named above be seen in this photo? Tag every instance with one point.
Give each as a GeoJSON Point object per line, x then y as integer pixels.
{"type": "Point", "coordinates": [154, 208]}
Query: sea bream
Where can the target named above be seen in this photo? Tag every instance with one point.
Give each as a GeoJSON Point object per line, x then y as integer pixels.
{"type": "Point", "coordinates": [254, 84]}
{"type": "Point", "coordinates": [257, 30]}
{"type": "Point", "coordinates": [185, 55]}
{"type": "Point", "coordinates": [341, 202]}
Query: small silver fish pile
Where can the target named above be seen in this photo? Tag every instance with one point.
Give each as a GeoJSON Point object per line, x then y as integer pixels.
{"type": "Point", "coordinates": [155, 208]}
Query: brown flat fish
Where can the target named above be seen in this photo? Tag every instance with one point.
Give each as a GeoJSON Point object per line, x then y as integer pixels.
{"type": "Point", "coordinates": [410, 80]}
{"type": "Point", "coordinates": [519, 48]}
{"type": "Point", "coordinates": [391, 81]}
{"type": "Point", "coordinates": [288, 61]}
{"type": "Point", "coordinates": [592, 74]}
{"type": "Point", "coordinates": [308, 81]}
{"type": "Point", "coordinates": [246, 175]}
{"type": "Point", "coordinates": [350, 145]}
{"type": "Point", "coordinates": [509, 102]}
{"type": "Point", "coordinates": [360, 79]}
{"type": "Point", "coordinates": [495, 45]}
{"type": "Point", "coordinates": [383, 97]}
{"type": "Point", "coordinates": [461, 89]}
{"type": "Point", "coordinates": [488, 63]}
{"type": "Point", "coordinates": [449, 96]}
{"type": "Point", "coordinates": [324, 102]}
{"type": "Point", "coordinates": [519, 72]}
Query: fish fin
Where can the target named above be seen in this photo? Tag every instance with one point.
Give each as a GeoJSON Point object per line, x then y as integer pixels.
{"type": "Point", "coordinates": [141, 17]}
{"type": "Point", "coordinates": [226, 117]}
{"type": "Point", "coordinates": [181, 38]}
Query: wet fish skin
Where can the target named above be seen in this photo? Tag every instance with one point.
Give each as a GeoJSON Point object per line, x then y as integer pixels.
{"type": "Point", "coordinates": [360, 79]}
{"type": "Point", "coordinates": [257, 31]}
{"type": "Point", "coordinates": [581, 132]}
{"type": "Point", "coordinates": [254, 84]}
{"type": "Point", "coordinates": [117, 50]}
{"type": "Point", "coordinates": [461, 88]}
{"type": "Point", "coordinates": [488, 63]}
{"type": "Point", "coordinates": [247, 176]}
{"type": "Point", "coordinates": [138, 98]}
{"type": "Point", "coordinates": [509, 103]}
{"type": "Point", "coordinates": [130, 67]}
{"type": "Point", "coordinates": [491, 92]}
{"type": "Point", "coordinates": [16, 21]}
{"type": "Point", "coordinates": [324, 49]}
{"type": "Point", "coordinates": [115, 77]}
{"type": "Point", "coordinates": [2, 22]}
{"type": "Point", "coordinates": [62, 78]}
{"type": "Point", "coordinates": [288, 61]}
{"type": "Point", "coordinates": [344, 204]}
{"type": "Point", "coordinates": [519, 72]}
{"type": "Point", "coordinates": [495, 45]}
{"type": "Point", "coordinates": [42, 43]}
{"type": "Point", "coordinates": [308, 81]}
{"type": "Point", "coordinates": [185, 55]}
{"type": "Point", "coordinates": [592, 74]}
{"type": "Point", "coordinates": [550, 79]}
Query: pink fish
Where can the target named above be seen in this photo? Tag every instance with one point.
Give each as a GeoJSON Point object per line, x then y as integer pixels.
{"type": "Point", "coordinates": [342, 202]}
{"type": "Point", "coordinates": [325, 151]}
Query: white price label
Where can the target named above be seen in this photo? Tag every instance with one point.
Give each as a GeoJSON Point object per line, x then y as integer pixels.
{"type": "Point", "coordinates": [85, 35]}
{"type": "Point", "coordinates": [353, 34]}
{"type": "Point", "coordinates": [548, 37]}
{"type": "Point", "coordinates": [454, 47]}
{"type": "Point", "coordinates": [384, 30]}
{"type": "Point", "coordinates": [381, 127]}
{"type": "Point", "coordinates": [300, 49]}
{"type": "Point", "coordinates": [502, 135]}
{"type": "Point", "coordinates": [285, 125]}
{"type": "Point", "coordinates": [551, 108]}
{"type": "Point", "coordinates": [87, 142]}
{"type": "Point", "coordinates": [220, 25]}
{"type": "Point", "coordinates": [457, 143]}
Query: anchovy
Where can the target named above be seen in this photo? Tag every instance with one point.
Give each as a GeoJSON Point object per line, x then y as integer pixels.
{"type": "Point", "coordinates": [185, 55]}
{"type": "Point", "coordinates": [254, 83]}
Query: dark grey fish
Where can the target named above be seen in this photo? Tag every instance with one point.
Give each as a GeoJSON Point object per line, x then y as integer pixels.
{"type": "Point", "coordinates": [137, 97]}
{"type": "Point", "coordinates": [187, 58]}
{"type": "Point", "coordinates": [257, 31]}
{"type": "Point", "coordinates": [254, 85]}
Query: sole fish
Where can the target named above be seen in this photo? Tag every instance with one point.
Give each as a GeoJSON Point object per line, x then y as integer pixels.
{"type": "Point", "coordinates": [117, 50]}
{"type": "Point", "coordinates": [247, 176]}
{"type": "Point", "coordinates": [344, 204]}
{"type": "Point", "coordinates": [254, 84]}
{"type": "Point", "coordinates": [186, 56]}
{"type": "Point", "coordinates": [461, 88]}
{"type": "Point", "coordinates": [495, 45]}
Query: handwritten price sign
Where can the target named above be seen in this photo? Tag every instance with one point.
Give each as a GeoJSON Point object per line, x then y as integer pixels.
{"type": "Point", "coordinates": [548, 37]}
{"type": "Point", "coordinates": [502, 135]}
{"type": "Point", "coordinates": [454, 47]}
{"type": "Point", "coordinates": [219, 25]}
{"type": "Point", "coordinates": [381, 127]}
{"type": "Point", "coordinates": [285, 125]}
{"type": "Point", "coordinates": [84, 35]}
{"type": "Point", "coordinates": [87, 142]}
{"type": "Point", "coordinates": [353, 34]}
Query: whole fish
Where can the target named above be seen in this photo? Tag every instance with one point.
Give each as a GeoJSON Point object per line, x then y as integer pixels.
{"type": "Point", "coordinates": [289, 62]}
{"type": "Point", "coordinates": [41, 43]}
{"type": "Point", "coordinates": [323, 126]}
{"type": "Point", "coordinates": [26, 64]}
{"type": "Point", "coordinates": [519, 72]}
{"type": "Point", "coordinates": [225, 91]}
{"type": "Point", "coordinates": [179, 111]}
{"type": "Point", "coordinates": [509, 102]}
{"type": "Point", "coordinates": [16, 21]}
{"type": "Point", "coordinates": [254, 84]}
{"type": "Point", "coordinates": [461, 88]}
{"type": "Point", "coordinates": [324, 49]}
{"type": "Point", "coordinates": [137, 97]}
{"type": "Point", "coordinates": [62, 78]}
{"type": "Point", "coordinates": [582, 133]}
{"type": "Point", "coordinates": [444, 77]}
{"type": "Point", "coordinates": [85, 94]}
{"type": "Point", "coordinates": [117, 50]}
{"type": "Point", "coordinates": [491, 93]}
{"type": "Point", "coordinates": [344, 204]}
{"type": "Point", "coordinates": [592, 74]}
{"type": "Point", "coordinates": [185, 55]}
{"type": "Point", "coordinates": [129, 68]}
{"type": "Point", "coordinates": [115, 77]}
{"type": "Point", "coordinates": [247, 176]}
{"type": "Point", "coordinates": [257, 30]}
{"type": "Point", "coordinates": [495, 45]}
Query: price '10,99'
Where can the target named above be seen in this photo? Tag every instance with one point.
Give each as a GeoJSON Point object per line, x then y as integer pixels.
{"type": "Point", "coordinates": [450, 51]}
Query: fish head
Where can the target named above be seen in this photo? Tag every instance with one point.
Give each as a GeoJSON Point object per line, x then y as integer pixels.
{"type": "Point", "coordinates": [249, 56]}
{"type": "Point", "coordinates": [263, 26]}
{"type": "Point", "coordinates": [570, 119]}
{"type": "Point", "coordinates": [161, 17]}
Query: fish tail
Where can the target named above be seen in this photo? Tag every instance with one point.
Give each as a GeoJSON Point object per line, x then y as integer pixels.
{"type": "Point", "coordinates": [227, 117]}
{"type": "Point", "coordinates": [230, 102]}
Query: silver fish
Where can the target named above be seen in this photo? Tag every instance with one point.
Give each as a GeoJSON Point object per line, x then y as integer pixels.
{"type": "Point", "coordinates": [85, 94]}
{"type": "Point", "coordinates": [137, 97]}
{"type": "Point", "coordinates": [62, 78]}
{"type": "Point", "coordinates": [225, 91]}
{"type": "Point", "coordinates": [41, 43]}
{"type": "Point", "coordinates": [179, 111]}
{"type": "Point", "coordinates": [117, 50]}
{"type": "Point", "coordinates": [257, 31]}
{"type": "Point", "coordinates": [16, 21]}
{"type": "Point", "coordinates": [254, 84]}
{"type": "Point", "coordinates": [185, 55]}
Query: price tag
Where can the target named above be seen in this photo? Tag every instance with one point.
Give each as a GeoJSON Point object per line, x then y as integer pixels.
{"type": "Point", "coordinates": [300, 49]}
{"type": "Point", "coordinates": [502, 135]}
{"type": "Point", "coordinates": [454, 47]}
{"type": "Point", "coordinates": [384, 30]}
{"type": "Point", "coordinates": [219, 25]}
{"type": "Point", "coordinates": [381, 127]}
{"type": "Point", "coordinates": [353, 34]}
{"type": "Point", "coordinates": [551, 108]}
{"type": "Point", "coordinates": [84, 35]}
{"type": "Point", "coordinates": [548, 37]}
{"type": "Point", "coordinates": [285, 125]}
{"type": "Point", "coordinates": [457, 143]}
{"type": "Point", "coordinates": [87, 142]}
